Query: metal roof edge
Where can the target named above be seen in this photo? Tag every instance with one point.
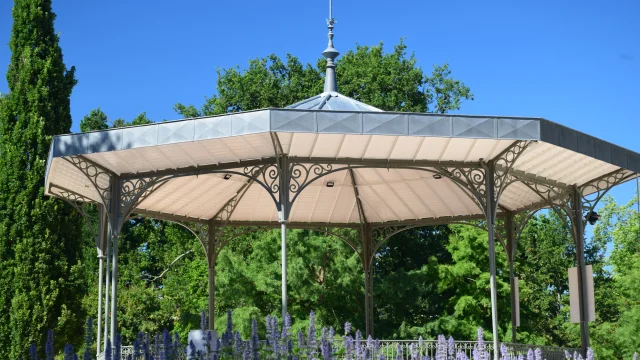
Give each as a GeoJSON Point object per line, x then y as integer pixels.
{"type": "Point", "coordinates": [580, 142]}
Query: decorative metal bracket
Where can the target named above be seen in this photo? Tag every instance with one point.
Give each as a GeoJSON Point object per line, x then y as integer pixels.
{"type": "Point", "coordinates": [561, 199]}
{"type": "Point", "coordinates": [76, 200]}
{"type": "Point", "coordinates": [99, 177]}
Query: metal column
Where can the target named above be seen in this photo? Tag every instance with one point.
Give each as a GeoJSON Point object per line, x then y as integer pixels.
{"type": "Point", "coordinates": [490, 214]}
{"type": "Point", "coordinates": [368, 280]}
{"type": "Point", "coordinates": [283, 244]}
{"type": "Point", "coordinates": [211, 261]}
{"type": "Point", "coordinates": [511, 244]}
{"type": "Point", "coordinates": [106, 288]}
{"type": "Point", "coordinates": [578, 233]}
{"type": "Point", "coordinates": [102, 234]}
{"type": "Point", "coordinates": [115, 216]}
{"type": "Point", "coordinates": [114, 286]}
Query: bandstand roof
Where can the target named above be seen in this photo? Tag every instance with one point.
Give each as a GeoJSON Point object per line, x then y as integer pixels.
{"type": "Point", "coordinates": [392, 189]}
{"type": "Point", "coordinates": [378, 166]}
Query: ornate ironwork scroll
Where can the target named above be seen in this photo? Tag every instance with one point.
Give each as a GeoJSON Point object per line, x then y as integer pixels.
{"type": "Point", "coordinates": [595, 190]}
{"type": "Point", "coordinates": [99, 177]}
{"type": "Point", "coordinates": [135, 191]}
{"type": "Point", "coordinates": [504, 164]}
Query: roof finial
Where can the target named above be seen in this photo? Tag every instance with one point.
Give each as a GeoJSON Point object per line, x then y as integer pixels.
{"type": "Point", "coordinates": [330, 53]}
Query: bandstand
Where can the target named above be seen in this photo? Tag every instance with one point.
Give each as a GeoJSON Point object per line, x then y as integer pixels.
{"type": "Point", "coordinates": [333, 162]}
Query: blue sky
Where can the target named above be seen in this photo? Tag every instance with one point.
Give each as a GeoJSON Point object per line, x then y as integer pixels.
{"type": "Point", "coordinates": [573, 62]}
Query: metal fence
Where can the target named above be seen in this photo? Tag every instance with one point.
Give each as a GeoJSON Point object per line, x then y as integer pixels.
{"type": "Point", "coordinates": [407, 350]}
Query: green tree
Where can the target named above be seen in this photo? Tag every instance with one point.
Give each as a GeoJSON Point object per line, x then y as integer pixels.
{"type": "Point", "coordinates": [465, 283]}
{"type": "Point", "coordinates": [41, 284]}
{"type": "Point", "coordinates": [615, 335]}
{"type": "Point", "coordinates": [96, 120]}
{"type": "Point", "coordinates": [390, 81]}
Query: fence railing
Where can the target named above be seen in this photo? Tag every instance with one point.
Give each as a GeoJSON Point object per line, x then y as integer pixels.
{"type": "Point", "coordinates": [402, 349]}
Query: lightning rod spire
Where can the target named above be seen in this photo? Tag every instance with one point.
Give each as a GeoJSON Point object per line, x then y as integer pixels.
{"type": "Point", "coordinates": [330, 53]}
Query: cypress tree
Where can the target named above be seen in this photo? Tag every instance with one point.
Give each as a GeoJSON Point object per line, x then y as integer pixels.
{"type": "Point", "coordinates": [40, 237]}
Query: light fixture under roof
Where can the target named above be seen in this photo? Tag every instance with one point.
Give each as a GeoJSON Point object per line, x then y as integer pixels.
{"type": "Point", "coordinates": [330, 184]}
{"type": "Point", "coordinates": [437, 176]}
{"type": "Point", "coordinates": [227, 176]}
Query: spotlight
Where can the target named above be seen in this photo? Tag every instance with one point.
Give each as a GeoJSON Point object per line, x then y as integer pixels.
{"type": "Point", "coordinates": [330, 184]}
{"type": "Point", "coordinates": [437, 176]}
{"type": "Point", "coordinates": [593, 217]}
{"type": "Point", "coordinates": [227, 176]}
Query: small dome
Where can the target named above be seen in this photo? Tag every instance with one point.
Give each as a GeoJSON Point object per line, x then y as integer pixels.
{"type": "Point", "coordinates": [332, 101]}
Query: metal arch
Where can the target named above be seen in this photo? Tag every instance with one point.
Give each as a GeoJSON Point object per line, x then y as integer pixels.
{"type": "Point", "coordinates": [501, 237]}
{"type": "Point", "coordinates": [199, 233]}
{"type": "Point", "coordinates": [385, 233]}
{"type": "Point", "coordinates": [351, 244]}
{"type": "Point", "coordinates": [469, 178]}
{"type": "Point", "coordinates": [598, 188]}
{"type": "Point", "coordinates": [557, 199]}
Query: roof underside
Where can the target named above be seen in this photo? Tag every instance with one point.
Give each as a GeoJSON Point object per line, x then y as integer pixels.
{"type": "Point", "coordinates": [387, 194]}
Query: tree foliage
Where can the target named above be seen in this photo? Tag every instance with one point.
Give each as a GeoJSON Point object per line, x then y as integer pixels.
{"type": "Point", "coordinates": [41, 271]}
{"type": "Point", "coordinates": [390, 81]}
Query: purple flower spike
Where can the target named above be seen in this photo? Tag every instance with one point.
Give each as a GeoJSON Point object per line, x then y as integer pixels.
{"type": "Point", "coordinates": [530, 355]}
{"type": "Point", "coordinates": [347, 328]}
{"type": "Point", "coordinates": [538, 354]}
{"type": "Point", "coordinates": [590, 354]}
{"type": "Point", "coordinates": [452, 346]}
{"type": "Point", "coordinates": [504, 352]}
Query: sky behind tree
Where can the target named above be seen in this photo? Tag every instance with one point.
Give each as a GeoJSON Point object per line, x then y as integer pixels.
{"type": "Point", "coordinates": [575, 63]}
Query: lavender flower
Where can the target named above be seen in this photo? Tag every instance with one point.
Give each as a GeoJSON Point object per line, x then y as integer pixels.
{"type": "Point", "coordinates": [274, 341]}
{"type": "Point", "coordinates": [246, 354]}
{"type": "Point", "coordinates": [33, 352]}
{"type": "Point", "coordinates": [530, 355]}
{"type": "Point", "coordinates": [461, 356]}
{"type": "Point", "coordinates": [203, 321]}
{"type": "Point", "coordinates": [117, 348]}
{"type": "Point", "coordinates": [192, 348]}
{"type": "Point", "coordinates": [504, 352]}
{"type": "Point", "coordinates": [311, 336]}
{"type": "Point", "coordinates": [567, 355]}
{"type": "Point", "coordinates": [166, 345]}
{"type": "Point", "coordinates": [347, 328]}
{"type": "Point", "coordinates": [255, 341]}
{"type": "Point", "coordinates": [348, 346]}
{"type": "Point", "coordinates": [538, 354]}
{"type": "Point", "coordinates": [107, 352]}
{"type": "Point", "coordinates": [48, 348]}
{"type": "Point", "coordinates": [635, 356]}
{"type": "Point", "coordinates": [413, 351]}
{"type": "Point", "coordinates": [237, 345]}
{"type": "Point", "coordinates": [441, 348]}
{"type": "Point", "coordinates": [359, 352]}
{"type": "Point", "coordinates": [590, 355]}
{"type": "Point", "coordinates": [420, 341]}
{"type": "Point", "coordinates": [480, 353]}
{"type": "Point", "coordinates": [520, 357]}
{"type": "Point", "coordinates": [88, 340]}
{"type": "Point", "coordinates": [398, 352]}
{"type": "Point", "coordinates": [68, 352]}
{"type": "Point", "coordinates": [452, 347]}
